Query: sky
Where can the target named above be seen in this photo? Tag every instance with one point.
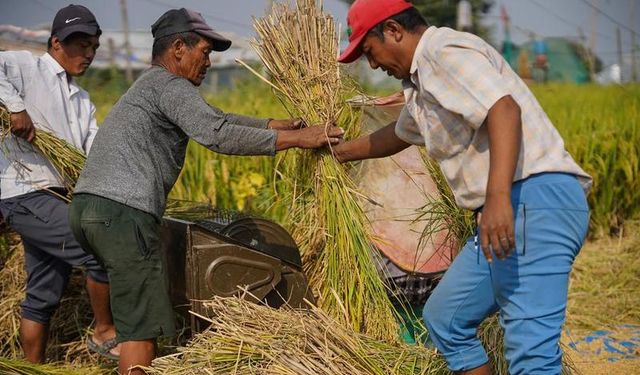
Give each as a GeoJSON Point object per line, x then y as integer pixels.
{"type": "Point", "coordinates": [543, 17]}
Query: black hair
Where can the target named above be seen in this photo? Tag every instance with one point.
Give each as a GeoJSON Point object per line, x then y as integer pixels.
{"type": "Point", "coordinates": [409, 19]}
{"type": "Point", "coordinates": [160, 46]}
{"type": "Point", "coordinates": [69, 38]}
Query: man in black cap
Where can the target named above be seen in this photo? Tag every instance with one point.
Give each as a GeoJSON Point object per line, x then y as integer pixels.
{"type": "Point", "coordinates": [42, 91]}
{"type": "Point", "coordinates": [136, 158]}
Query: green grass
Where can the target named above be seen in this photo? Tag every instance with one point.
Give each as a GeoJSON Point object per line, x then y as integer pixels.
{"type": "Point", "coordinates": [600, 129]}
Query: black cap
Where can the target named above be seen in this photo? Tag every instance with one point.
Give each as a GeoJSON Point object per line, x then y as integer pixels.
{"type": "Point", "coordinates": [74, 19]}
{"type": "Point", "coordinates": [182, 20]}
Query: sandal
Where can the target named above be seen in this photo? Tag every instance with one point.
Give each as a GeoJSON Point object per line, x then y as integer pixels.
{"type": "Point", "coordinates": [103, 349]}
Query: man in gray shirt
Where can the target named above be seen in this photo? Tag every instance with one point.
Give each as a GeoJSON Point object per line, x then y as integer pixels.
{"type": "Point", "coordinates": [136, 158]}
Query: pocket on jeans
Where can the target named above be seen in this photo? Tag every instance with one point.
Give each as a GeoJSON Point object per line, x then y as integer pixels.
{"type": "Point", "coordinates": [143, 246]}
{"type": "Point", "coordinates": [106, 221]}
{"type": "Point", "coordinates": [519, 227]}
{"type": "Point", "coordinates": [39, 214]}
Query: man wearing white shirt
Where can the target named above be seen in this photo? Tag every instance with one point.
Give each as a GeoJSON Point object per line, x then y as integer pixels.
{"type": "Point", "coordinates": [42, 91]}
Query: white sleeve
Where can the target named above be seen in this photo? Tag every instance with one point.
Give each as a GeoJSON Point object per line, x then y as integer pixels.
{"type": "Point", "coordinates": [93, 130]}
{"type": "Point", "coordinates": [12, 79]}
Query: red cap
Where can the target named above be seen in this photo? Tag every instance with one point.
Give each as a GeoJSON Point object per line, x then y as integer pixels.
{"type": "Point", "coordinates": [363, 16]}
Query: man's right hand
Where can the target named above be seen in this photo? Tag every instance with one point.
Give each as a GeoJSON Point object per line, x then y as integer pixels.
{"type": "Point", "coordinates": [22, 126]}
{"type": "Point", "coordinates": [319, 136]}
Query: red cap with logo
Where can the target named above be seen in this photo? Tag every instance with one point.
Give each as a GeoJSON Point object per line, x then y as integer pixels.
{"type": "Point", "coordinates": [363, 16]}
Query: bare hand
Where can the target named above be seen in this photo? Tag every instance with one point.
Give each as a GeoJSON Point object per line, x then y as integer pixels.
{"type": "Point", "coordinates": [319, 136]}
{"type": "Point", "coordinates": [288, 124]}
{"type": "Point", "coordinates": [496, 226]}
{"type": "Point", "coordinates": [22, 126]}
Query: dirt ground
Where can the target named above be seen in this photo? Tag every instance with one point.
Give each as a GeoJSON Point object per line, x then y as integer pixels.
{"type": "Point", "coordinates": [589, 364]}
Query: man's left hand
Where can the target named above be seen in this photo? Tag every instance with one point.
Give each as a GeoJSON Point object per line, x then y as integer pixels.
{"type": "Point", "coordinates": [288, 124]}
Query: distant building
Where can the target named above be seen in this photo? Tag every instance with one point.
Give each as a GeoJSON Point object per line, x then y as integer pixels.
{"type": "Point", "coordinates": [223, 74]}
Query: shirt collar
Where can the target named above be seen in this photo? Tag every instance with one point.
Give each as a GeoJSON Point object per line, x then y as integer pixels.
{"type": "Point", "coordinates": [422, 44]}
{"type": "Point", "coordinates": [58, 70]}
{"type": "Point", "coordinates": [55, 66]}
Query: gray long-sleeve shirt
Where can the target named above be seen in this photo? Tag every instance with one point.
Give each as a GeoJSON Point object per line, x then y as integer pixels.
{"type": "Point", "coordinates": [139, 150]}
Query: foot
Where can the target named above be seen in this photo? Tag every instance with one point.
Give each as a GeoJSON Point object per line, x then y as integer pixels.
{"type": "Point", "coordinates": [107, 348]}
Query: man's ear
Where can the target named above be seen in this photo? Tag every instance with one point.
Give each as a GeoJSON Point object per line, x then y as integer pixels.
{"type": "Point", "coordinates": [179, 48]}
{"type": "Point", "coordinates": [393, 30]}
{"type": "Point", "coordinates": [56, 43]}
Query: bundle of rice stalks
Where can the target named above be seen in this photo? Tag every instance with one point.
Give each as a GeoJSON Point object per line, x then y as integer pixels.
{"type": "Point", "coordinates": [298, 46]}
{"type": "Point", "coordinates": [249, 339]}
{"type": "Point", "coordinates": [66, 159]}
{"type": "Point", "coordinates": [442, 212]}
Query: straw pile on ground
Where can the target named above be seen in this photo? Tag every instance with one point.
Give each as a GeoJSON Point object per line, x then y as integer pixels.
{"type": "Point", "coordinates": [298, 45]}
{"type": "Point", "coordinates": [66, 159]}
{"type": "Point", "coordinates": [19, 367]}
{"type": "Point", "coordinates": [248, 339]}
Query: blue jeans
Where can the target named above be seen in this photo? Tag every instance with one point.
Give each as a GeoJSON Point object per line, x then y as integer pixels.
{"type": "Point", "coordinates": [528, 289]}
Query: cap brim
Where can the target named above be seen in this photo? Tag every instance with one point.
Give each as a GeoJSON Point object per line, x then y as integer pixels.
{"type": "Point", "coordinates": [220, 43]}
{"type": "Point", "coordinates": [85, 29]}
{"type": "Point", "coordinates": [353, 51]}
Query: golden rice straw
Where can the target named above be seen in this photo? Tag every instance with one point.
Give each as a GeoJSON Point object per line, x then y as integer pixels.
{"type": "Point", "coordinates": [66, 159]}
{"type": "Point", "coordinates": [298, 46]}
{"type": "Point", "coordinates": [252, 339]}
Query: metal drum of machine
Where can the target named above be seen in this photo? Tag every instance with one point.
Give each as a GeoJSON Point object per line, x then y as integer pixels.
{"type": "Point", "coordinates": [229, 254]}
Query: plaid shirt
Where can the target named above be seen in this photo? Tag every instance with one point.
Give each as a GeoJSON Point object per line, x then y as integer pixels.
{"type": "Point", "coordinates": [455, 79]}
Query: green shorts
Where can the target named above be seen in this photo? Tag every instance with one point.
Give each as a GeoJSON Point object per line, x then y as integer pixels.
{"type": "Point", "coordinates": [127, 242]}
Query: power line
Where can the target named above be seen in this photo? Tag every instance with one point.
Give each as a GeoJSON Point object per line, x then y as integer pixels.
{"type": "Point", "coordinates": [566, 20]}
{"type": "Point", "coordinates": [215, 18]}
{"type": "Point", "coordinates": [608, 16]}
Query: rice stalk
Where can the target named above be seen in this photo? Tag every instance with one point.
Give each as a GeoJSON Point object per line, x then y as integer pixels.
{"type": "Point", "coordinates": [252, 339]}
{"type": "Point", "coordinates": [606, 271]}
{"type": "Point", "coordinates": [10, 366]}
{"type": "Point", "coordinates": [66, 159]}
{"type": "Point", "coordinates": [298, 46]}
{"type": "Point", "coordinates": [442, 212]}
{"type": "Point", "coordinates": [12, 289]}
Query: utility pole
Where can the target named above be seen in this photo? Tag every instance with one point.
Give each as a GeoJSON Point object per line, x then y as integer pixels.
{"type": "Point", "coordinates": [592, 43]}
{"type": "Point", "coordinates": [632, 17]}
{"type": "Point", "coordinates": [619, 45]}
{"type": "Point", "coordinates": [127, 46]}
{"type": "Point", "coordinates": [112, 53]}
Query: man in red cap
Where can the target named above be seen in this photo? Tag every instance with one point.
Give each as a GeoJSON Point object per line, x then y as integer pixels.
{"type": "Point", "coordinates": [504, 160]}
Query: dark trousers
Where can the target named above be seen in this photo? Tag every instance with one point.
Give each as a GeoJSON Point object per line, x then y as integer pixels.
{"type": "Point", "coordinates": [51, 251]}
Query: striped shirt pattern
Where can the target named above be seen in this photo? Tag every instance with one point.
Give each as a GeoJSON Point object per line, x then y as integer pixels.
{"type": "Point", "coordinates": [455, 79]}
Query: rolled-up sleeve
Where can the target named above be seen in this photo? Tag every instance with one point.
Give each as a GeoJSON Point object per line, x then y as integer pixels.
{"type": "Point", "coordinates": [407, 129]}
{"type": "Point", "coordinates": [466, 81]}
{"type": "Point", "coordinates": [11, 80]}
{"type": "Point", "coordinates": [218, 131]}
{"type": "Point", "coordinates": [93, 130]}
